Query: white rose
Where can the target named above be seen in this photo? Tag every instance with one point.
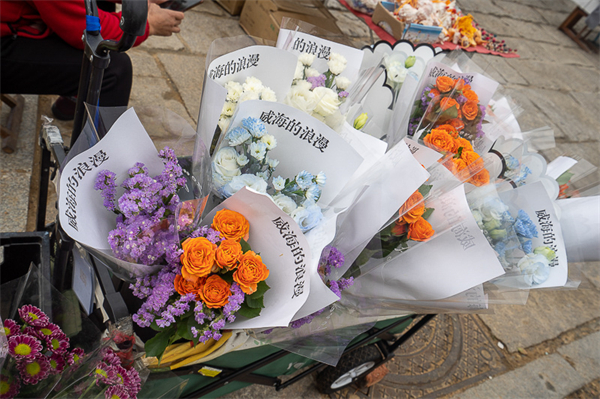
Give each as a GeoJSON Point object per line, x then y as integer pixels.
{"type": "Point", "coordinates": [225, 163]}
{"type": "Point", "coordinates": [300, 97]}
{"type": "Point", "coordinates": [248, 95]}
{"type": "Point", "coordinates": [253, 84]}
{"type": "Point", "coordinates": [311, 72]}
{"type": "Point", "coordinates": [246, 180]}
{"type": "Point", "coordinates": [397, 73]}
{"type": "Point", "coordinates": [228, 108]}
{"type": "Point", "coordinates": [299, 73]}
{"type": "Point", "coordinates": [306, 59]}
{"type": "Point", "coordinates": [284, 203]}
{"type": "Point", "coordinates": [342, 82]}
{"type": "Point", "coordinates": [328, 101]}
{"type": "Point", "coordinates": [268, 95]}
{"type": "Point", "coordinates": [234, 90]}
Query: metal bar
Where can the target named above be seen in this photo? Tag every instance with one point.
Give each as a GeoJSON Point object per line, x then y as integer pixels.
{"type": "Point", "coordinates": [412, 331]}
{"type": "Point", "coordinates": [305, 373]}
{"type": "Point", "coordinates": [43, 193]}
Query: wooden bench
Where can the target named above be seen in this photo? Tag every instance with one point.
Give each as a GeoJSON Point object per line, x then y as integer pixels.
{"type": "Point", "coordinates": [10, 132]}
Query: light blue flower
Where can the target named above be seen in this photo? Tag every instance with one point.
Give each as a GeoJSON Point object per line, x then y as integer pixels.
{"type": "Point", "coordinates": [511, 162]}
{"type": "Point", "coordinates": [313, 193]}
{"type": "Point", "coordinates": [527, 246]}
{"type": "Point", "coordinates": [255, 126]}
{"type": "Point", "coordinates": [307, 216]}
{"type": "Point", "coordinates": [493, 208]}
{"type": "Point", "coordinates": [278, 183]}
{"type": "Point", "coordinates": [238, 136]}
{"type": "Point", "coordinates": [535, 268]}
{"type": "Point", "coordinates": [304, 180]}
{"type": "Point", "coordinates": [258, 150]}
{"type": "Point", "coordinates": [500, 248]}
{"type": "Point", "coordinates": [524, 226]}
{"type": "Point", "coordinates": [321, 179]}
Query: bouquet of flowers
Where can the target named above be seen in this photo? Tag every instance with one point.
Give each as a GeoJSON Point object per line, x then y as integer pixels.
{"type": "Point", "coordinates": [320, 94]}
{"type": "Point", "coordinates": [251, 89]}
{"type": "Point", "coordinates": [244, 162]}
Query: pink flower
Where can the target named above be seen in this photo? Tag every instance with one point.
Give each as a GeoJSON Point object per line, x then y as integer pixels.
{"type": "Point", "coordinates": [75, 356]}
{"type": "Point", "coordinates": [33, 316]}
{"type": "Point", "coordinates": [58, 343]}
{"type": "Point", "coordinates": [9, 386]}
{"type": "Point", "coordinates": [33, 370]}
{"type": "Point", "coordinates": [11, 327]}
{"type": "Point", "coordinates": [105, 373]}
{"type": "Point", "coordinates": [111, 357]}
{"type": "Point", "coordinates": [57, 363]}
{"type": "Point", "coordinates": [134, 382]}
{"type": "Point", "coordinates": [50, 330]}
{"type": "Point", "coordinates": [23, 346]}
{"type": "Point", "coordinates": [116, 392]}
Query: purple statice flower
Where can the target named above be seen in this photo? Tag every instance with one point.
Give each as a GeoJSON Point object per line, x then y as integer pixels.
{"type": "Point", "coordinates": [209, 233]}
{"type": "Point", "coordinates": [161, 288]}
{"type": "Point", "coordinates": [426, 97]}
{"type": "Point", "coordinates": [234, 303]}
{"type": "Point", "coordinates": [316, 81]}
{"type": "Point", "coordinates": [106, 182]}
{"type": "Point", "coordinates": [461, 99]}
{"type": "Point", "coordinates": [199, 314]}
{"type": "Point", "coordinates": [330, 256]}
{"type": "Point", "coordinates": [306, 320]}
{"type": "Point", "coordinates": [344, 283]}
{"type": "Point", "coordinates": [343, 94]}
{"type": "Point", "coordinates": [334, 287]}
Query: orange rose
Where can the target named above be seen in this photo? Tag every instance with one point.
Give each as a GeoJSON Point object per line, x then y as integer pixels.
{"type": "Point", "coordinates": [198, 258]}
{"type": "Point", "coordinates": [231, 224]}
{"type": "Point", "coordinates": [228, 254]}
{"type": "Point", "coordinates": [470, 110]}
{"type": "Point", "coordinates": [250, 272]}
{"type": "Point", "coordinates": [464, 143]}
{"type": "Point", "coordinates": [458, 167]}
{"type": "Point", "coordinates": [457, 123]}
{"type": "Point", "coordinates": [399, 228]}
{"type": "Point", "coordinates": [420, 230]}
{"type": "Point", "coordinates": [460, 84]}
{"type": "Point", "coordinates": [481, 178]}
{"type": "Point", "coordinates": [444, 84]}
{"type": "Point", "coordinates": [435, 92]}
{"type": "Point", "coordinates": [439, 140]}
{"type": "Point", "coordinates": [215, 292]}
{"type": "Point", "coordinates": [466, 87]}
{"type": "Point", "coordinates": [183, 286]}
{"type": "Point", "coordinates": [447, 103]}
{"type": "Point", "coordinates": [451, 130]}
{"type": "Point", "coordinates": [471, 95]}
{"type": "Point", "coordinates": [473, 160]}
{"type": "Point", "coordinates": [413, 208]}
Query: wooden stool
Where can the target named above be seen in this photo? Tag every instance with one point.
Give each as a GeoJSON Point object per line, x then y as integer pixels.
{"type": "Point", "coordinates": [570, 22]}
{"type": "Point", "coordinates": [10, 133]}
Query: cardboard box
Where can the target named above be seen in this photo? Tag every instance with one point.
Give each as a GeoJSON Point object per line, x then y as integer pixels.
{"type": "Point", "coordinates": [234, 7]}
{"type": "Point", "coordinates": [262, 18]}
{"type": "Point", "coordinates": [385, 19]}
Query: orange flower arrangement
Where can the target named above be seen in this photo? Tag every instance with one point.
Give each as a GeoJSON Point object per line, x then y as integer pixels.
{"type": "Point", "coordinates": [228, 254]}
{"type": "Point", "coordinates": [444, 84]}
{"type": "Point", "coordinates": [470, 110]}
{"type": "Point", "coordinates": [447, 103]}
{"type": "Point", "coordinates": [420, 230]}
{"type": "Point", "coordinates": [413, 208]}
{"type": "Point", "coordinates": [451, 130]}
{"type": "Point", "coordinates": [198, 258]}
{"type": "Point", "coordinates": [215, 292]}
{"type": "Point", "coordinates": [440, 140]}
{"type": "Point", "coordinates": [231, 224]}
{"type": "Point", "coordinates": [183, 286]}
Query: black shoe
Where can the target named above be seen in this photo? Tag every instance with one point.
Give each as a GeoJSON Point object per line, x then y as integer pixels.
{"type": "Point", "coordinates": [64, 108]}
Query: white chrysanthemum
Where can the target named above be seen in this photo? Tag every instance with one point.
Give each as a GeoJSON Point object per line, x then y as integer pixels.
{"type": "Point", "coordinates": [311, 73]}
{"type": "Point", "coordinates": [258, 150]}
{"type": "Point", "coordinates": [299, 73]}
{"type": "Point", "coordinates": [272, 162]}
{"type": "Point", "coordinates": [301, 97]}
{"type": "Point", "coordinates": [248, 95]}
{"type": "Point", "coordinates": [242, 160]}
{"type": "Point", "coordinates": [336, 67]}
{"type": "Point", "coordinates": [337, 57]}
{"type": "Point", "coordinates": [228, 108]}
{"type": "Point", "coordinates": [268, 95]}
{"type": "Point", "coordinates": [253, 84]}
{"type": "Point", "coordinates": [342, 82]}
{"type": "Point", "coordinates": [269, 140]}
{"type": "Point", "coordinates": [306, 59]}
{"type": "Point", "coordinates": [234, 90]}
{"type": "Point", "coordinates": [278, 183]}
{"type": "Point", "coordinates": [321, 179]}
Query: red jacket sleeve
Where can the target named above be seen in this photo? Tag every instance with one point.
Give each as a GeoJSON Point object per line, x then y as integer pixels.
{"type": "Point", "coordinates": [66, 18]}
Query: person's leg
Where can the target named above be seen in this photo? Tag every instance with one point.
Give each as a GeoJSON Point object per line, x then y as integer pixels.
{"type": "Point", "coordinates": [51, 66]}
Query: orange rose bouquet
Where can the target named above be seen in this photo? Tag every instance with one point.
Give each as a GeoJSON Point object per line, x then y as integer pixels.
{"type": "Point", "coordinates": [215, 277]}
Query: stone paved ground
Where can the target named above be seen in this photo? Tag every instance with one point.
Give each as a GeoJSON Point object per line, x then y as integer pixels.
{"type": "Point", "coordinates": [549, 348]}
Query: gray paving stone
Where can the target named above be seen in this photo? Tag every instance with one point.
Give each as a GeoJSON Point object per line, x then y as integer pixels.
{"type": "Point", "coordinates": [14, 197]}
{"type": "Point", "coordinates": [164, 42]}
{"type": "Point", "coordinates": [565, 6]}
{"type": "Point", "coordinates": [491, 23]}
{"type": "Point", "coordinates": [531, 117]}
{"type": "Point", "coordinates": [548, 313]}
{"type": "Point", "coordinates": [591, 270]}
{"type": "Point", "coordinates": [578, 123]}
{"type": "Point", "coordinates": [553, 35]}
{"type": "Point", "coordinates": [500, 66]}
{"type": "Point", "coordinates": [350, 24]}
{"type": "Point", "coordinates": [149, 91]}
{"type": "Point", "coordinates": [547, 377]}
{"type": "Point", "coordinates": [143, 63]}
{"type": "Point", "coordinates": [187, 73]}
{"type": "Point", "coordinates": [584, 356]}
{"type": "Point", "coordinates": [589, 101]}
{"type": "Point", "coordinates": [536, 51]}
{"type": "Point", "coordinates": [552, 17]}
{"type": "Point", "coordinates": [563, 55]}
{"type": "Point", "coordinates": [484, 7]}
{"type": "Point", "coordinates": [543, 75]}
{"type": "Point", "coordinates": [210, 7]}
{"type": "Point", "coordinates": [520, 11]}
{"type": "Point", "coordinates": [199, 30]}
{"type": "Point", "coordinates": [526, 30]}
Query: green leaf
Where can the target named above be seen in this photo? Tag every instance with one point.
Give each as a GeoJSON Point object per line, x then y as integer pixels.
{"type": "Point", "coordinates": [261, 288]}
{"type": "Point", "coordinates": [425, 189]}
{"type": "Point", "coordinates": [227, 277]}
{"type": "Point", "coordinates": [184, 329]}
{"type": "Point", "coordinates": [364, 256]}
{"type": "Point", "coordinates": [255, 303]}
{"type": "Point", "coordinates": [245, 246]}
{"type": "Point", "coordinates": [155, 326]}
{"type": "Point", "coordinates": [448, 114]}
{"type": "Point", "coordinates": [248, 312]}
{"type": "Point", "coordinates": [156, 346]}
{"type": "Point", "coordinates": [564, 178]}
{"type": "Point", "coordinates": [427, 213]}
